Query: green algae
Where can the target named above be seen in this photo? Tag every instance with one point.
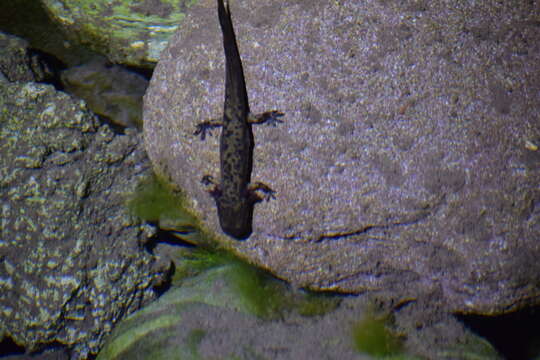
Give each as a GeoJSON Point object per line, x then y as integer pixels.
{"type": "Point", "coordinates": [156, 202]}
{"type": "Point", "coordinates": [194, 339]}
{"type": "Point", "coordinates": [192, 262]}
{"type": "Point", "coordinates": [152, 199]}
{"type": "Point", "coordinates": [372, 336]}
{"type": "Point", "coordinates": [128, 338]}
{"type": "Point", "coordinates": [262, 294]}
{"type": "Point", "coordinates": [316, 304]}
{"type": "Point", "coordinates": [270, 298]}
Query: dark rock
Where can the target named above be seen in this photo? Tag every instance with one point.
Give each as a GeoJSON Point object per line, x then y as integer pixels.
{"type": "Point", "coordinates": [19, 62]}
{"type": "Point", "coordinates": [72, 259]}
{"type": "Point", "coordinates": [15, 59]}
{"type": "Point", "coordinates": [109, 90]}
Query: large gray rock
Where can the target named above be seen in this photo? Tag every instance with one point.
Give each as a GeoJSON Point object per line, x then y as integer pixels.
{"type": "Point", "coordinates": [408, 161]}
{"type": "Point", "coordinates": [72, 261]}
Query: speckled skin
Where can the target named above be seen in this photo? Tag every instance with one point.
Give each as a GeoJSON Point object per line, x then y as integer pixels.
{"type": "Point", "coordinates": [235, 196]}
{"type": "Point", "coordinates": [234, 202]}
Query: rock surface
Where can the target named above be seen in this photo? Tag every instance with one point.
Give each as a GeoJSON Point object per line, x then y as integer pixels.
{"type": "Point", "coordinates": [109, 90]}
{"type": "Point", "coordinates": [207, 317]}
{"type": "Point", "coordinates": [408, 161]}
{"type": "Point", "coordinates": [72, 261]}
{"type": "Point", "coordinates": [28, 20]}
{"type": "Point", "coordinates": [18, 63]}
{"type": "Point", "coordinates": [127, 32]}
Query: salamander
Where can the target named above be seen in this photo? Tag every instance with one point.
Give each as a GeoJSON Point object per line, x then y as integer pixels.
{"type": "Point", "coordinates": [235, 195]}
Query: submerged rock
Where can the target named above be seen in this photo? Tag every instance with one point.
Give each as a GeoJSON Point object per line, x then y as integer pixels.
{"type": "Point", "coordinates": [125, 32]}
{"type": "Point", "coordinates": [211, 316]}
{"type": "Point", "coordinates": [408, 159]}
{"type": "Point", "coordinates": [109, 90]}
{"type": "Point", "coordinates": [72, 260]}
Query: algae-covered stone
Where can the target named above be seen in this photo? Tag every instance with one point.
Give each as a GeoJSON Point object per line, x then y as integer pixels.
{"type": "Point", "coordinates": [126, 32]}
{"type": "Point", "coordinates": [233, 311]}
{"type": "Point", "coordinates": [28, 20]}
{"type": "Point", "coordinates": [207, 317]}
{"type": "Point", "coordinates": [72, 260]}
{"type": "Point", "coordinates": [408, 157]}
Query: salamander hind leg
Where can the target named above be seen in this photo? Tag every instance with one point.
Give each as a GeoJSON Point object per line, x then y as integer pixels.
{"type": "Point", "coordinates": [259, 192]}
{"type": "Point", "coordinates": [269, 117]}
{"type": "Point", "coordinates": [214, 190]}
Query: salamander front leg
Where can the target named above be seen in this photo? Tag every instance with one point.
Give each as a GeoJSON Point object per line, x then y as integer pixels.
{"type": "Point", "coordinates": [255, 190]}
{"type": "Point", "coordinates": [206, 127]}
{"type": "Point", "coordinates": [269, 117]}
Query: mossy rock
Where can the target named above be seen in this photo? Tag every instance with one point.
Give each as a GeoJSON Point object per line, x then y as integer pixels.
{"type": "Point", "coordinates": [126, 32]}
{"type": "Point", "coordinates": [227, 297]}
